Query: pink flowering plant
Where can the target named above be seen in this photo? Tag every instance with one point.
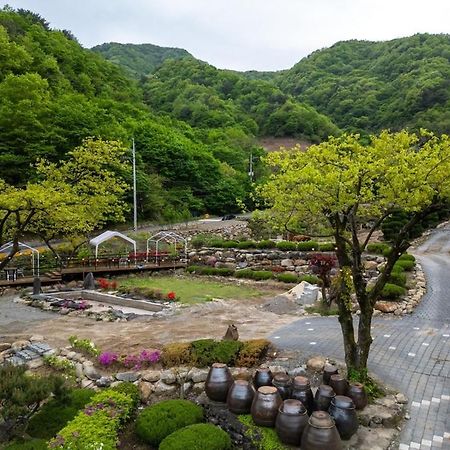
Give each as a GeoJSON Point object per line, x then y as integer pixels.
{"type": "Point", "coordinates": [106, 359]}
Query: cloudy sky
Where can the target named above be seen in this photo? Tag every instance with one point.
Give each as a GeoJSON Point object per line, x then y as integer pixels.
{"type": "Point", "coordinates": [242, 34]}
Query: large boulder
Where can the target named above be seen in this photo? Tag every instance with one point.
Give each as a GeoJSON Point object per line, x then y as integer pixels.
{"type": "Point", "coordinates": [305, 293]}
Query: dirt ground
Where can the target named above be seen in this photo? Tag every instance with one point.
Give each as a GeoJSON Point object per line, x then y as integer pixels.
{"type": "Point", "coordinates": [206, 320]}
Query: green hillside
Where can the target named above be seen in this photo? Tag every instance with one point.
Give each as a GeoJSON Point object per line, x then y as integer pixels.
{"type": "Point", "coordinates": [206, 97]}
{"type": "Point", "coordinates": [373, 85]}
{"type": "Point", "coordinates": [139, 60]}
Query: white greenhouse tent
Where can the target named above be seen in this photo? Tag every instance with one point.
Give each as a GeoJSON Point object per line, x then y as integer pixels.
{"type": "Point", "coordinates": [107, 235]}
{"type": "Point", "coordinates": [166, 237]}
{"type": "Point", "coordinates": [34, 253]}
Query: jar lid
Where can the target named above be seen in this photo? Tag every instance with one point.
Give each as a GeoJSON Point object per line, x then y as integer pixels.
{"type": "Point", "coordinates": [326, 391]}
{"type": "Point", "coordinates": [341, 401]}
{"type": "Point", "coordinates": [219, 365]}
{"type": "Point", "coordinates": [321, 419]}
{"type": "Point", "coordinates": [267, 390]}
{"type": "Point", "coordinates": [337, 377]}
{"type": "Point", "coordinates": [329, 368]}
{"type": "Point", "coordinates": [300, 381]}
{"type": "Point", "coordinates": [281, 377]}
{"type": "Point", "coordinates": [241, 382]}
{"type": "Point", "coordinates": [263, 370]}
{"type": "Point", "coordinates": [292, 406]}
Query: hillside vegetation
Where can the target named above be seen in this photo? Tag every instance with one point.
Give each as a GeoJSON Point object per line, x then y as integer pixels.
{"type": "Point", "coordinates": [374, 85]}
{"type": "Point", "coordinates": [139, 59]}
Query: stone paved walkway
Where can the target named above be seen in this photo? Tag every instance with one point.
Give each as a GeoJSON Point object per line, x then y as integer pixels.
{"type": "Point", "coordinates": [411, 353]}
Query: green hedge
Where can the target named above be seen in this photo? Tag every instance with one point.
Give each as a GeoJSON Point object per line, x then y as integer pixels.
{"type": "Point", "coordinates": [254, 274]}
{"type": "Point", "coordinates": [392, 291]}
{"type": "Point", "coordinates": [32, 444]}
{"type": "Point", "coordinates": [327, 246]}
{"type": "Point", "coordinates": [287, 277]}
{"type": "Point", "coordinates": [203, 436]}
{"type": "Point", "coordinates": [308, 246]}
{"type": "Point", "coordinates": [398, 278]}
{"type": "Point", "coordinates": [158, 421]}
{"type": "Point", "coordinates": [312, 279]}
{"type": "Point", "coordinates": [407, 257]}
{"type": "Point", "coordinates": [377, 248]}
{"type": "Point", "coordinates": [405, 264]}
{"type": "Point", "coordinates": [286, 246]}
{"type": "Point", "coordinates": [205, 352]}
{"type": "Point", "coordinates": [266, 244]}
{"type": "Point", "coordinates": [97, 426]}
{"type": "Point", "coordinates": [129, 389]}
{"type": "Point", "coordinates": [206, 270]}
{"type": "Point", "coordinates": [56, 413]}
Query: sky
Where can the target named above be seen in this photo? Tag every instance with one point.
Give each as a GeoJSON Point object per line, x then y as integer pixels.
{"type": "Point", "coordinates": [242, 34]}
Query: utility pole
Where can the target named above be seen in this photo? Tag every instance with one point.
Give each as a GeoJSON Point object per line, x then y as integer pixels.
{"type": "Point", "coordinates": [134, 187]}
{"type": "Point", "coordinates": [250, 170]}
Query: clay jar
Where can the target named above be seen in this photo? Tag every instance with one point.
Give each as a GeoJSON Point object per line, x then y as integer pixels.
{"type": "Point", "coordinates": [339, 384]}
{"type": "Point", "coordinates": [218, 382]}
{"type": "Point", "coordinates": [291, 421]}
{"type": "Point", "coordinates": [240, 397]}
{"type": "Point", "coordinates": [301, 390]}
{"type": "Point", "coordinates": [358, 394]}
{"type": "Point", "coordinates": [342, 410]}
{"type": "Point", "coordinates": [321, 433]}
{"type": "Point", "coordinates": [263, 377]}
{"type": "Point", "coordinates": [283, 383]}
{"type": "Point", "coordinates": [265, 406]}
{"type": "Point", "coordinates": [323, 397]}
{"type": "Point", "coordinates": [328, 370]}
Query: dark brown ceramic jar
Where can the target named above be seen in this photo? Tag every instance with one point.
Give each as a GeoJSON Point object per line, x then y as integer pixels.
{"type": "Point", "coordinates": [291, 420]}
{"type": "Point", "coordinates": [342, 410]}
{"type": "Point", "coordinates": [357, 393]}
{"type": "Point", "coordinates": [265, 406]}
{"type": "Point", "coordinates": [301, 390]}
{"type": "Point", "coordinates": [283, 383]}
{"type": "Point", "coordinates": [263, 377]}
{"type": "Point", "coordinates": [321, 433]}
{"type": "Point", "coordinates": [323, 397]}
{"type": "Point", "coordinates": [240, 397]}
{"type": "Point", "coordinates": [339, 384]}
{"type": "Point", "coordinates": [218, 382]}
{"type": "Point", "coordinates": [328, 370]}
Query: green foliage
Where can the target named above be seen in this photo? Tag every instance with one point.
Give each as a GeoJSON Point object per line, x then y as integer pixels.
{"type": "Point", "coordinates": [405, 264]}
{"type": "Point", "coordinates": [176, 354]}
{"type": "Point", "coordinates": [312, 279]}
{"type": "Point", "coordinates": [56, 413]}
{"type": "Point", "coordinates": [205, 352]}
{"type": "Point", "coordinates": [286, 245]}
{"type": "Point", "coordinates": [158, 421]}
{"type": "Point", "coordinates": [266, 244]}
{"type": "Point", "coordinates": [252, 352]}
{"type": "Point", "coordinates": [32, 444]}
{"type": "Point", "coordinates": [397, 278]}
{"type": "Point", "coordinates": [129, 389]}
{"type": "Point", "coordinates": [392, 291]}
{"type": "Point", "coordinates": [246, 244]}
{"type": "Point", "coordinates": [287, 277]}
{"type": "Point", "coordinates": [377, 247]}
{"type": "Point", "coordinates": [262, 438]}
{"type": "Point", "coordinates": [256, 275]}
{"type": "Point", "coordinates": [372, 389]}
{"type": "Point", "coordinates": [97, 426]}
{"type": "Point", "coordinates": [322, 309]}
{"type": "Point", "coordinates": [203, 436]}
{"type": "Point", "coordinates": [407, 257]}
{"type": "Point", "coordinates": [206, 270]}
{"type": "Point", "coordinates": [308, 246]}
{"type": "Point", "coordinates": [60, 364]}
{"type": "Point", "coordinates": [327, 246]}
{"type": "Point", "coordinates": [85, 345]}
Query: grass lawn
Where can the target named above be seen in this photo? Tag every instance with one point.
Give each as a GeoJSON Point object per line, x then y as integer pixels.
{"type": "Point", "coordinates": [193, 290]}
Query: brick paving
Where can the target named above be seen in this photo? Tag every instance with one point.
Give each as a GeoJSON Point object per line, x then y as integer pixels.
{"type": "Point", "coordinates": [411, 353]}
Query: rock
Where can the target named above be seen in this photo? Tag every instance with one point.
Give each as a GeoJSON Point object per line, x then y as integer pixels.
{"type": "Point", "coordinates": [85, 383]}
{"type": "Point", "coordinates": [4, 346]}
{"type": "Point", "coordinates": [316, 363]}
{"type": "Point", "coordinates": [128, 376]}
{"type": "Point", "coordinates": [163, 388]}
{"type": "Point", "coordinates": [239, 373]}
{"type": "Point", "coordinates": [386, 307]}
{"type": "Point", "coordinates": [287, 263]}
{"type": "Point", "coordinates": [151, 375]}
{"type": "Point", "coordinates": [35, 363]}
{"type": "Point", "coordinates": [297, 371]}
{"type": "Point", "coordinates": [187, 387]}
{"type": "Point", "coordinates": [197, 375]}
{"type": "Point", "coordinates": [198, 388]}
{"type": "Point", "coordinates": [71, 355]}
{"type": "Point", "coordinates": [398, 312]}
{"type": "Point", "coordinates": [104, 382]}
{"type": "Point", "coordinates": [145, 390]}
{"type": "Point", "coordinates": [19, 345]}
{"type": "Point", "coordinates": [79, 370]}
{"type": "Point", "coordinates": [304, 293]}
{"type": "Point", "coordinates": [168, 376]}
{"type": "Point", "coordinates": [37, 338]}
{"type": "Point", "coordinates": [401, 398]}
{"type": "Point", "coordinates": [90, 371]}
{"type": "Point", "coordinates": [370, 265]}
{"type": "Point", "coordinates": [277, 369]}
{"type": "Point", "coordinates": [89, 282]}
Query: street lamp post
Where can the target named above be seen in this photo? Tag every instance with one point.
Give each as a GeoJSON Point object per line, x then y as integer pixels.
{"type": "Point", "coordinates": [134, 188]}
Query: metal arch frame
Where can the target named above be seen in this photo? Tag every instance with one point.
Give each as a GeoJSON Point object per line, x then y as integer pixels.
{"type": "Point", "coordinates": [110, 235]}
{"type": "Point", "coordinates": [168, 237]}
{"type": "Point", "coordinates": [33, 251]}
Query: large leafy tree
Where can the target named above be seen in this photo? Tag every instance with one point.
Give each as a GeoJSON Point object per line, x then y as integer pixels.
{"type": "Point", "coordinates": [340, 185]}
{"type": "Point", "coordinates": [69, 198]}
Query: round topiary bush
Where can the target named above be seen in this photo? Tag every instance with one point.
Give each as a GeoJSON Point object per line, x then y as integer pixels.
{"type": "Point", "coordinates": [129, 389]}
{"type": "Point", "coordinates": [159, 420]}
{"type": "Point", "coordinates": [392, 291]}
{"type": "Point", "coordinates": [203, 436]}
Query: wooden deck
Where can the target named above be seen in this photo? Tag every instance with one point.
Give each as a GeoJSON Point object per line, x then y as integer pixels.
{"type": "Point", "coordinates": [74, 273]}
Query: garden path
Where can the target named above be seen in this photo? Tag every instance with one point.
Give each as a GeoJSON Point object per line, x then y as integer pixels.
{"type": "Point", "coordinates": [410, 353]}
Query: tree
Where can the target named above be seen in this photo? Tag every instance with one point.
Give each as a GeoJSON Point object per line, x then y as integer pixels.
{"type": "Point", "coordinates": [345, 185]}
{"type": "Point", "coordinates": [71, 198]}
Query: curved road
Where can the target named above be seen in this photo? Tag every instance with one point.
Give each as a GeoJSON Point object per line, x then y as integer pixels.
{"type": "Point", "coordinates": [411, 353]}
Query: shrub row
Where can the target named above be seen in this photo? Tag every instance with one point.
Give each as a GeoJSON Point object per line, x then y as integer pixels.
{"type": "Point", "coordinates": [378, 248]}
{"type": "Point", "coordinates": [204, 352]}
{"type": "Point", "coordinates": [392, 291]}
{"type": "Point", "coordinates": [253, 274]}
{"type": "Point", "coordinates": [98, 424]}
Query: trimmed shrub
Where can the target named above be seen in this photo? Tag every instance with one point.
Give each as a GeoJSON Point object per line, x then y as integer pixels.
{"type": "Point", "coordinates": [377, 247]}
{"type": "Point", "coordinates": [405, 264]}
{"type": "Point", "coordinates": [225, 352]}
{"type": "Point", "coordinates": [201, 351]}
{"type": "Point", "coordinates": [407, 257]}
{"type": "Point", "coordinates": [387, 252]}
{"type": "Point", "coordinates": [230, 244]}
{"type": "Point", "coordinates": [97, 426]}
{"type": "Point", "coordinates": [202, 436]}
{"type": "Point", "coordinates": [162, 419]}
{"type": "Point", "coordinates": [206, 270]}
{"type": "Point", "coordinates": [129, 389]}
{"type": "Point", "coordinates": [33, 444]}
{"type": "Point", "coordinates": [243, 273]}
{"type": "Point", "coordinates": [252, 352]}
{"type": "Point", "coordinates": [397, 268]}
{"type": "Point", "coordinates": [266, 244]}
{"type": "Point", "coordinates": [313, 279]}
{"type": "Point", "coordinates": [392, 291]}
{"type": "Point", "coordinates": [286, 245]}
{"type": "Point", "coordinates": [246, 244]}
{"type": "Point", "coordinates": [308, 246]}
{"type": "Point", "coordinates": [55, 414]}
{"type": "Point", "coordinates": [287, 277]}
{"type": "Point", "coordinates": [176, 354]}
{"type": "Point", "coordinates": [327, 247]}
{"type": "Point", "coordinates": [397, 278]}
{"type": "Point", "coordinates": [261, 275]}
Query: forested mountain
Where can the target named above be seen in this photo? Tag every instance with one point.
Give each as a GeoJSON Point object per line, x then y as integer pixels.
{"type": "Point", "coordinates": [373, 85]}
{"type": "Point", "coordinates": [206, 97]}
{"type": "Point", "coordinates": [54, 93]}
{"type": "Point", "coordinates": [139, 59]}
